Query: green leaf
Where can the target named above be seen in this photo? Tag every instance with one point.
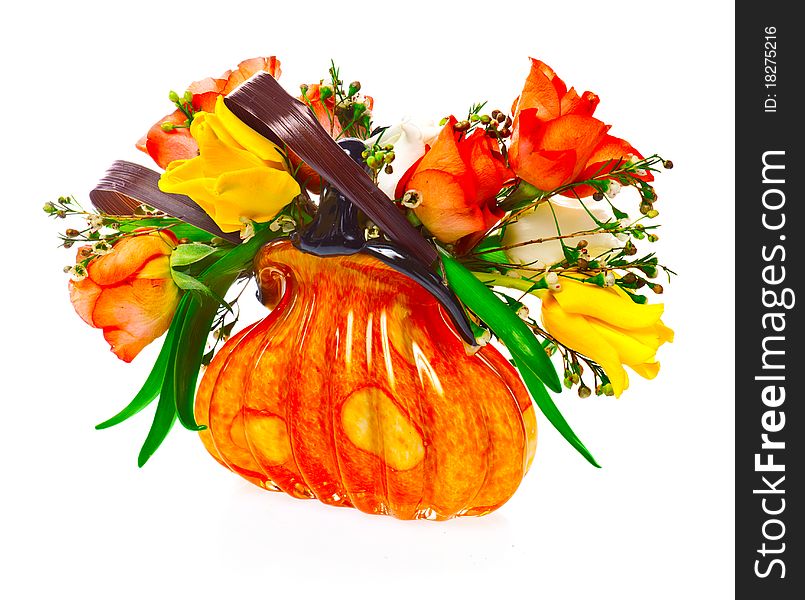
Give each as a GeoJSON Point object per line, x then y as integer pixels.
{"type": "Point", "coordinates": [187, 254]}
{"type": "Point", "coordinates": [489, 250]}
{"type": "Point", "coordinates": [636, 298]}
{"type": "Point", "coordinates": [179, 228]}
{"type": "Point", "coordinates": [528, 354]}
{"type": "Point", "coordinates": [165, 414]}
{"type": "Point", "coordinates": [192, 339]}
{"type": "Point", "coordinates": [619, 214]}
{"type": "Point", "coordinates": [161, 426]}
{"type": "Point", "coordinates": [597, 279]}
{"type": "Point", "coordinates": [550, 410]}
{"type": "Point", "coordinates": [217, 279]}
{"type": "Point", "coordinates": [153, 383]}
{"type": "Point", "coordinates": [501, 320]}
{"type": "Point", "coordinates": [571, 254]}
{"type": "Point", "coordinates": [189, 283]}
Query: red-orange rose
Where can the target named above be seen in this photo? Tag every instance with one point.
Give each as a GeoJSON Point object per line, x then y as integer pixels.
{"type": "Point", "coordinates": [177, 144]}
{"type": "Point", "coordinates": [556, 140]}
{"type": "Point", "coordinates": [129, 293]}
{"type": "Point", "coordinates": [458, 180]}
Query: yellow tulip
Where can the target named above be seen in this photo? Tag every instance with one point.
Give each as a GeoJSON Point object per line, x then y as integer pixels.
{"type": "Point", "coordinates": [605, 325]}
{"type": "Point", "coordinates": [237, 174]}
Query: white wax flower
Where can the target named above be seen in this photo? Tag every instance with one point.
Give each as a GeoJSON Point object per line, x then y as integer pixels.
{"type": "Point", "coordinates": [540, 224]}
{"type": "Point", "coordinates": [409, 139]}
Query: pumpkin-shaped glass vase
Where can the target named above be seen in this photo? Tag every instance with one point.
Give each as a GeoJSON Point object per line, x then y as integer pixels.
{"type": "Point", "coordinates": [357, 389]}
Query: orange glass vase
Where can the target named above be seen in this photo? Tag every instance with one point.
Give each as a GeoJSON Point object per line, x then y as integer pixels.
{"type": "Point", "coordinates": [357, 390]}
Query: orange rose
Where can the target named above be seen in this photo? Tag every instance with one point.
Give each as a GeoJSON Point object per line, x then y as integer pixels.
{"type": "Point", "coordinates": [129, 293]}
{"type": "Point", "coordinates": [556, 140]}
{"type": "Point", "coordinates": [457, 180]}
{"type": "Point", "coordinates": [166, 146]}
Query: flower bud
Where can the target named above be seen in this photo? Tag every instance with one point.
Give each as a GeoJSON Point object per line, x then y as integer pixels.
{"type": "Point", "coordinates": [462, 126]}
{"type": "Point", "coordinates": [71, 232]}
{"type": "Point", "coordinates": [173, 96]}
{"type": "Point", "coordinates": [188, 97]}
{"type": "Point", "coordinates": [167, 126]}
{"type": "Point", "coordinates": [657, 288]}
{"type": "Point", "coordinates": [354, 88]}
{"type": "Point", "coordinates": [411, 199]}
{"type": "Point", "coordinates": [325, 92]}
{"type": "Point", "coordinates": [584, 391]}
{"type": "Point", "coordinates": [668, 164]}
{"type": "Point", "coordinates": [598, 196]}
{"type": "Point", "coordinates": [388, 170]}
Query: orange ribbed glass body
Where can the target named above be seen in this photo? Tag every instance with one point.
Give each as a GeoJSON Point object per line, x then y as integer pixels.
{"type": "Point", "coordinates": [357, 390]}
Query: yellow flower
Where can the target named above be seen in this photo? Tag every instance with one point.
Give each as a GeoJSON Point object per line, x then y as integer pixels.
{"type": "Point", "coordinates": [605, 325]}
{"type": "Point", "coordinates": [237, 174]}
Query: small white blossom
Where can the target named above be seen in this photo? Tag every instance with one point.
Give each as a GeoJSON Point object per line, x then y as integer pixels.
{"type": "Point", "coordinates": [372, 231]}
{"type": "Point", "coordinates": [95, 222]}
{"type": "Point", "coordinates": [101, 247]}
{"type": "Point", "coordinates": [522, 312]}
{"type": "Point", "coordinates": [246, 229]}
{"type": "Point", "coordinates": [609, 279]}
{"type": "Point", "coordinates": [552, 279]}
{"type": "Point", "coordinates": [613, 189]}
{"type": "Point", "coordinates": [77, 272]}
{"type": "Point", "coordinates": [411, 199]}
{"type": "Point", "coordinates": [484, 338]}
{"type": "Point", "coordinates": [283, 223]}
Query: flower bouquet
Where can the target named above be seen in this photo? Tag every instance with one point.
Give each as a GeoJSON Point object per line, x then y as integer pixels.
{"type": "Point", "coordinates": [396, 264]}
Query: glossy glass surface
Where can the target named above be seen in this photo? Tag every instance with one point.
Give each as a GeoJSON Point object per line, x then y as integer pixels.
{"type": "Point", "coordinates": [357, 390]}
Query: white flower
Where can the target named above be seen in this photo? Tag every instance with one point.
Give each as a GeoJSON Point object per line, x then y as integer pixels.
{"type": "Point", "coordinates": [101, 247]}
{"type": "Point", "coordinates": [539, 224]}
{"type": "Point", "coordinates": [77, 272]}
{"type": "Point", "coordinates": [409, 140]}
{"type": "Point", "coordinates": [246, 229]}
{"type": "Point", "coordinates": [95, 222]}
{"type": "Point", "coordinates": [613, 189]}
{"type": "Point", "coordinates": [283, 223]}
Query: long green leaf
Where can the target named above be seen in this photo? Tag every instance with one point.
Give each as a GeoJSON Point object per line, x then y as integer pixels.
{"type": "Point", "coordinates": [163, 421]}
{"type": "Point", "coordinates": [200, 315]}
{"type": "Point", "coordinates": [528, 354]}
{"type": "Point", "coordinates": [165, 414]}
{"type": "Point", "coordinates": [551, 412]}
{"type": "Point", "coordinates": [218, 278]}
{"type": "Point", "coordinates": [150, 389]}
{"type": "Point", "coordinates": [502, 320]}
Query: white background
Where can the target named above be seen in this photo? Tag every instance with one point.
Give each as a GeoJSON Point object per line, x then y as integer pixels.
{"type": "Point", "coordinates": [78, 519]}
